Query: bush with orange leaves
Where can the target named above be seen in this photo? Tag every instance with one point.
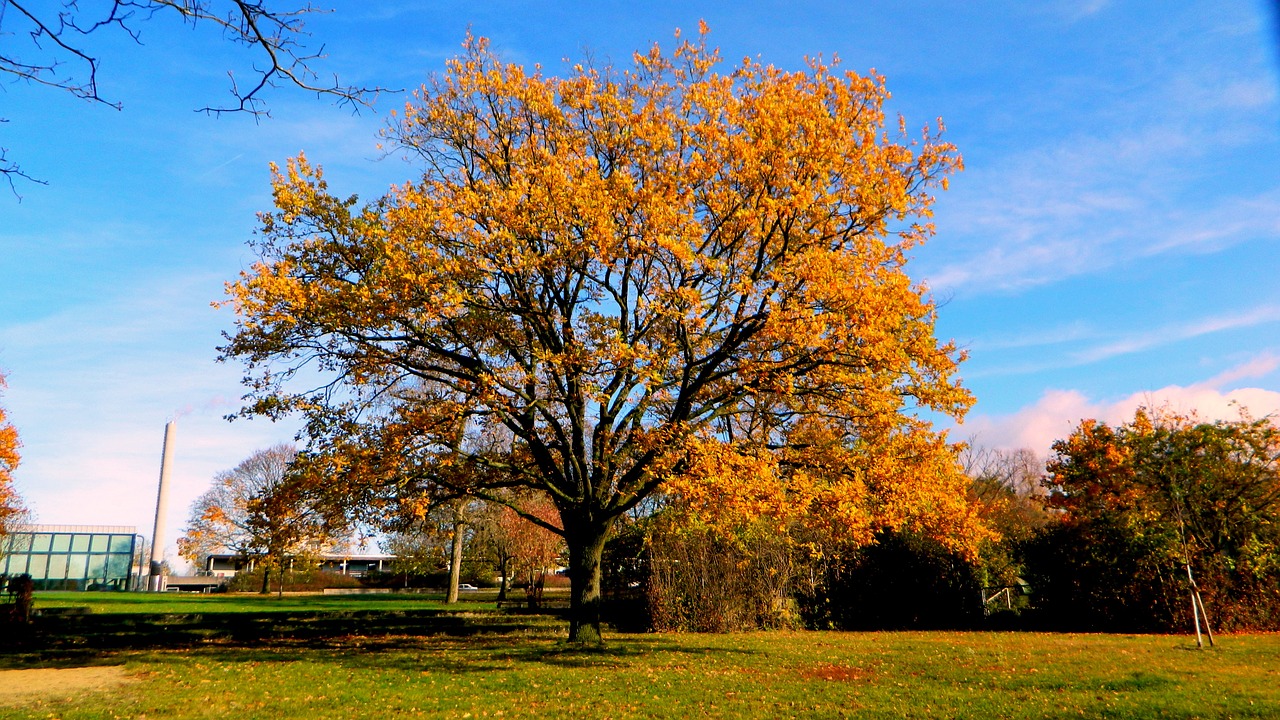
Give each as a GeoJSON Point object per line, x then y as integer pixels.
{"type": "Point", "coordinates": [1141, 501]}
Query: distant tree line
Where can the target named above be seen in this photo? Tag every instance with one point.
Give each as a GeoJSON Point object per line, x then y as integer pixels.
{"type": "Point", "coordinates": [1108, 535]}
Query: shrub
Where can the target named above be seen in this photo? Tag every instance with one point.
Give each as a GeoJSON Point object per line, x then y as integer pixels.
{"type": "Point", "coordinates": [1142, 500]}
{"type": "Point", "coordinates": [1104, 576]}
{"type": "Point", "coordinates": [703, 581]}
{"type": "Point", "coordinates": [901, 581]}
{"type": "Point", "coordinates": [311, 580]}
{"type": "Point", "coordinates": [20, 590]}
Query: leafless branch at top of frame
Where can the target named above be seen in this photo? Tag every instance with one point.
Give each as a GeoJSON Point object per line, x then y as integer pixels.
{"type": "Point", "coordinates": [57, 53]}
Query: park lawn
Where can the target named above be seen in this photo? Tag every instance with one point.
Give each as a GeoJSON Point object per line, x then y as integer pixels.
{"type": "Point", "coordinates": [530, 672]}
{"type": "Point", "coordinates": [179, 603]}
{"type": "Point", "coordinates": [519, 666]}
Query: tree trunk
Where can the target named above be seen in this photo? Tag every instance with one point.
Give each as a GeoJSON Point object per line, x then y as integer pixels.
{"type": "Point", "coordinates": [455, 563]}
{"type": "Point", "coordinates": [266, 580]}
{"type": "Point", "coordinates": [586, 548]}
{"type": "Point", "coordinates": [503, 564]}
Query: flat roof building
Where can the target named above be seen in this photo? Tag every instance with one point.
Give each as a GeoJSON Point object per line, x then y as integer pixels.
{"type": "Point", "coordinates": [74, 557]}
{"type": "Point", "coordinates": [228, 565]}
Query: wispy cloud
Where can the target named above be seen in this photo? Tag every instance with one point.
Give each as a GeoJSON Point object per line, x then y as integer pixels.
{"type": "Point", "coordinates": [1028, 241]}
{"type": "Point", "coordinates": [1095, 185]}
{"type": "Point", "coordinates": [1176, 333]}
{"type": "Point", "coordinates": [221, 165]}
{"type": "Point", "coordinates": [1094, 344]}
{"type": "Point", "coordinates": [1258, 367]}
{"type": "Point", "coordinates": [1059, 335]}
{"type": "Point", "coordinates": [1080, 9]}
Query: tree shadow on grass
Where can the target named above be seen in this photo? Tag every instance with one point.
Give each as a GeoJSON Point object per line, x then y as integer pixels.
{"type": "Point", "coordinates": [484, 651]}
{"type": "Point", "coordinates": [84, 637]}
{"type": "Point", "coordinates": [474, 641]}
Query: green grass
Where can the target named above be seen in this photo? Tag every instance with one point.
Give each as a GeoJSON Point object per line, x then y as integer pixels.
{"type": "Point", "coordinates": [527, 671]}
{"type": "Point", "coordinates": [173, 603]}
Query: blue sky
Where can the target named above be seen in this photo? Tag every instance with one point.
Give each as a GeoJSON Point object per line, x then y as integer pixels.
{"type": "Point", "coordinates": [1114, 239]}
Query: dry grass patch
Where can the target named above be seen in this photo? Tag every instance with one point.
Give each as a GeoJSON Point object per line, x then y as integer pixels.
{"type": "Point", "coordinates": [22, 686]}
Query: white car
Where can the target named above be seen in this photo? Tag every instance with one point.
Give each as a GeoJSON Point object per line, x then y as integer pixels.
{"type": "Point", "coordinates": [467, 586]}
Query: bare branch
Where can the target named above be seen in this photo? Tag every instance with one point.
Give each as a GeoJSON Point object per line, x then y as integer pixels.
{"type": "Point", "coordinates": [55, 54]}
{"type": "Point", "coordinates": [11, 170]}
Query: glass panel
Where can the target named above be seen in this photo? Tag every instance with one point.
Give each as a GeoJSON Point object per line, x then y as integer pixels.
{"type": "Point", "coordinates": [17, 564]}
{"type": "Point", "coordinates": [40, 542]}
{"type": "Point", "coordinates": [76, 566]}
{"type": "Point", "coordinates": [39, 564]}
{"type": "Point", "coordinates": [15, 543]}
{"type": "Point", "coordinates": [61, 543]}
{"type": "Point", "coordinates": [99, 543]}
{"type": "Point", "coordinates": [80, 543]}
{"type": "Point", "coordinates": [118, 566]}
{"type": "Point", "coordinates": [57, 567]}
{"type": "Point", "coordinates": [122, 544]}
{"type": "Point", "coordinates": [97, 566]}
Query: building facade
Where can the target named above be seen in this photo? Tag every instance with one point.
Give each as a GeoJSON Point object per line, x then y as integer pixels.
{"type": "Point", "coordinates": [74, 557]}
{"type": "Point", "coordinates": [228, 565]}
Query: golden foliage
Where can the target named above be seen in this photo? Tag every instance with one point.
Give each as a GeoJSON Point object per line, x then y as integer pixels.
{"type": "Point", "coordinates": [657, 274]}
{"type": "Point", "coordinates": [832, 492]}
{"type": "Point", "coordinates": [12, 509]}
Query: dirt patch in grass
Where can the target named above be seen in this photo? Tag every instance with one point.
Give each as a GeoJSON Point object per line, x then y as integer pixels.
{"type": "Point", "coordinates": [17, 686]}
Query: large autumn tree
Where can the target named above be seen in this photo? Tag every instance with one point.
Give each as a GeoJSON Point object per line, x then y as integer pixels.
{"type": "Point", "coordinates": [633, 275]}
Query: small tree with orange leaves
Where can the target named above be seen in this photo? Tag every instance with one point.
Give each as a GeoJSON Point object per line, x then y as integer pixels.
{"type": "Point", "coordinates": [255, 512]}
{"type": "Point", "coordinates": [521, 550]}
{"type": "Point", "coordinates": [644, 276]}
{"type": "Point", "coordinates": [12, 510]}
{"type": "Point", "coordinates": [1152, 511]}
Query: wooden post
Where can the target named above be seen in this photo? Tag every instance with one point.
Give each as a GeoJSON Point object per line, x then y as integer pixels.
{"type": "Point", "coordinates": [1195, 619]}
{"type": "Point", "coordinates": [1204, 614]}
{"type": "Point", "coordinates": [1197, 610]}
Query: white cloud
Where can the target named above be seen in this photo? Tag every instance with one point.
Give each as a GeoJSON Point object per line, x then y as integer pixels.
{"type": "Point", "coordinates": [1057, 412]}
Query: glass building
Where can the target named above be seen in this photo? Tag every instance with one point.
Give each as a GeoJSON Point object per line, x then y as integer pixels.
{"type": "Point", "coordinates": [73, 557]}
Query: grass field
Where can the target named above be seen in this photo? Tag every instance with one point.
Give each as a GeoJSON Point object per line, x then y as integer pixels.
{"type": "Point", "coordinates": [485, 663]}
{"type": "Point", "coordinates": [168, 603]}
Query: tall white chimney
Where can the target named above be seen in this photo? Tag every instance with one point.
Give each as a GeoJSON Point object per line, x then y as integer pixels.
{"type": "Point", "coordinates": [157, 580]}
